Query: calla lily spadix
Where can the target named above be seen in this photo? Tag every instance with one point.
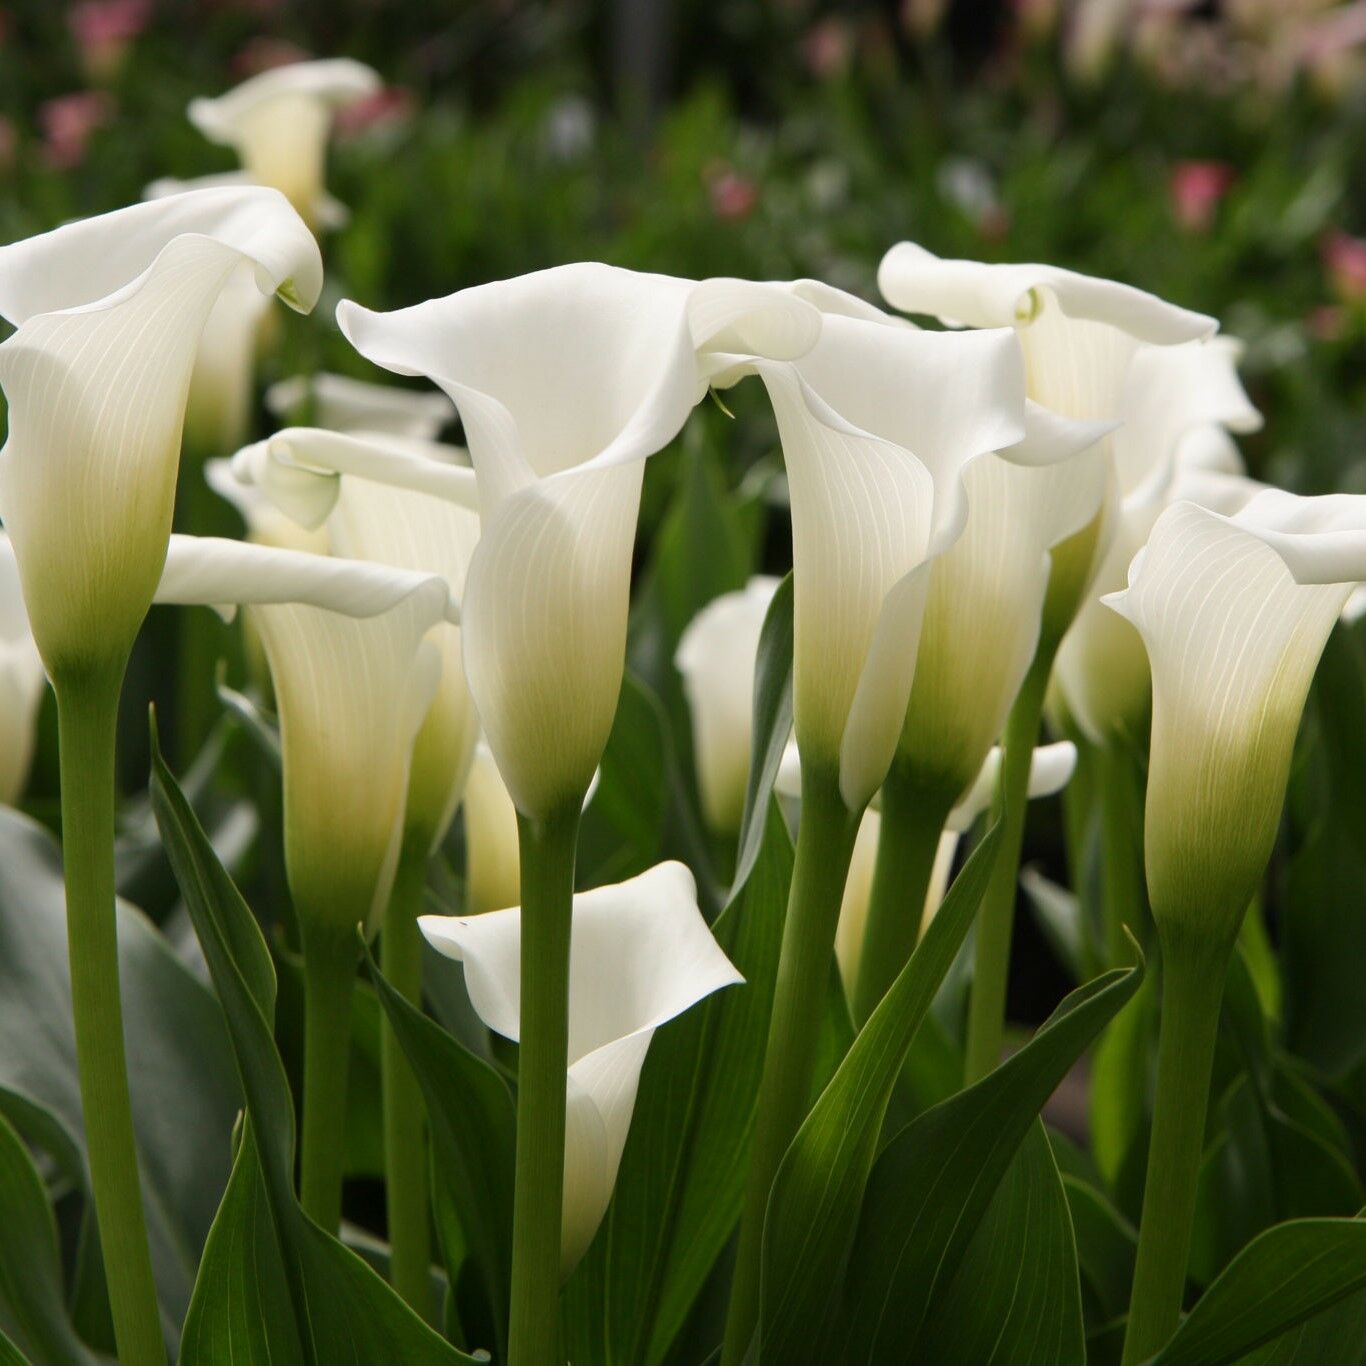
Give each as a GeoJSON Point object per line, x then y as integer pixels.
{"type": "Point", "coordinates": [640, 954]}
{"type": "Point", "coordinates": [1234, 611]}
{"type": "Point", "coordinates": [109, 313]}
{"type": "Point", "coordinates": [21, 680]}
{"type": "Point", "coordinates": [716, 657]}
{"type": "Point", "coordinates": [566, 380]}
{"type": "Point", "coordinates": [343, 404]}
{"type": "Point", "coordinates": [279, 121]}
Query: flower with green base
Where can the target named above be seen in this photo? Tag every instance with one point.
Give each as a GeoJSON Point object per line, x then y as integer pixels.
{"type": "Point", "coordinates": [21, 680]}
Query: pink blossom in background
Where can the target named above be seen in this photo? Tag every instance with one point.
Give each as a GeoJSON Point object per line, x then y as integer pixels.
{"type": "Point", "coordinates": [104, 30]}
{"type": "Point", "coordinates": [1327, 322]}
{"type": "Point", "coordinates": [1196, 187]}
{"type": "Point", "coordinates": [383, 109]}
{"type": "Point", "coordinates": [67, 123]}
{"type": "Point", "coordinates": [1344, 258]}
{"type": "Point", "coordinates": [828, 48]}
{"type": "Point", "coordinates": [733, 196]}
{"type": "Point", "coordinates": [261, 54]}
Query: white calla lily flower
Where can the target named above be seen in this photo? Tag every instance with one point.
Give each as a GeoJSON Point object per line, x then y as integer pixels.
{"type": "Point", "coordinates": [426, 528]}
{"type": "Point", "coordinates": [716, 656]}
{"type": "Point", "coordinates": [21, 680]}
{"type": "Point", "coordinates": [342, 404]}
{"type": "Point", "coordinates": [566, 380]}
{"type": "Point", "coordinates": [493, 873]}
{"type": "Point", "coordinates": [640, 954]}
{"type": "Point", "coordinates": [1234, 612]}
{"type": "Point", "coordinates": [109, 313]}
{"type": "Point", "coordinates": [279, 122]}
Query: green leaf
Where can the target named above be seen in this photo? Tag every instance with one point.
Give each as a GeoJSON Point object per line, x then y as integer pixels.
{"type": "Point", "coordinates": [32, 1294]}
{"type": "Point", "coordinates": [1016, 1298]}
{"type": "Point", "coordinates": [772, 726]}
{"type": "Point", "coordinates": [474, 1132]}
{"type": "Point", "coordinates": [1106, 1247]}
{"type": "Point", "coordinates": [681, 1183]}
{"type": "Point", "coordinates": [1282, 1278]}
{"type": "Point", "coordinates": [1337, 1335]}
{"type": "Point", "coordinates": [934, 1181]}
{"type": "Point", "coordinates": [344, 1312]}
{"type": "Point", "coordinates": [813, 1208]}
{"type": "Point", "coordinates": [181, 1077]}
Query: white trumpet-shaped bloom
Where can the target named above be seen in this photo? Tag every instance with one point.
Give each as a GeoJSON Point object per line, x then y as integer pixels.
{"type": "Point", "coordinates": [640, 954]}
{"type": "Point", "coordinates": [21, 680]}
{"type": "Point", "coordinates": [566, 380]}
{"type": "Point", "coordinates": [339, 480]}
{"type": "Point", "coordinates": [109, 313]}
{"type": "Point", "coordinates": [1234, 612]}
{"type": "Point", "coordinates": [1080, 338]}
{"type": "Point", "coordinates": [279, 122]}
{"type": "Point", "coordinates": [354, 676]}
{"type": "Point", "coordinates": [342, 404]}
{"type": "Point", "coordinates": [493, 871]}
{"type": "Point", "coordinates": [716, 656]}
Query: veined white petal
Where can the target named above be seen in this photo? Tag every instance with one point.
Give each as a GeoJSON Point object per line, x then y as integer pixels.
{"type": "Point", "coordinates": [265, 523]}
{"type": "Point", "coordinates": [1233, 640]}
{"type": "Point", "coordinates": [975, 294]}
{"type": "Point", "coordinates": [1050, 770]}
{"type": "Point", "coordinates": [342, 404]}
{"type": "Point", "coordinates": [21, 680]}
{"type": "Point", "coordinates": [1209, 446]}
{"type": "Point", "coordinates": [747, 317]}
{"type": "Point", "coordinates": [1355, 607]}
{"type": "Point", "coordinates": [110, 312]}
{"type": "Point", "coordinates": [716, 658]}
{"type": "Point", "coordinates": [279, 121]}
{"type": "Point", "coordinates": [640, 954]}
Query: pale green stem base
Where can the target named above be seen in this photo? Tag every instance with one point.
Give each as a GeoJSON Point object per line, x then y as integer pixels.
{"type": "Point", "coordinates": [1192, 987]}
{"type": "Point", "coordinates": [913, 819]}
{"type": "Point", "coordinates": [825, 844]}
{"type": "Point", "coordinates": [1122, 881]}
{"type": "Point", "coordinates": [405, 1128]}
{"type": "Point", "coordinates": [547, 850]}
{"type": "Point", "coordinates": [330, 961]}
{"type": "Point", "coordinates": [87, 713]}
{"type": "Point", "coordinates": [996, 919]}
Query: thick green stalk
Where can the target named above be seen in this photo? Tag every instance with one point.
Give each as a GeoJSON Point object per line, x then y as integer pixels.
{"type": "Point", "coordinates": [1122, 882]}
{"type": "Point", "coordinates": [995, 921]}
{"type": "Point", "coordinates": [330, 962]}
{"type": "Point", "coordinates": [405, 1128]}
{"type": "Point", "coordinates": [913, 817]}
{"type": "Point", "coordinates": [547, 850]}
{"type": "Point", "coordinates": [825, 843]}
{"type": "Point", "coordinates": [87, 715]}
{"type": "Point", "coordinates": [1192, 987]}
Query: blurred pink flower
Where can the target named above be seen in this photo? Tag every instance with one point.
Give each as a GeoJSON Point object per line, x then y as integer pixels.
{"type": "Point", "coordinates": [827, 48]}
{"type": "Point", "coordinates": [733, 196]}
{"type": "Point", "coordinates": [1344, 258]}
{"type": "Point", "coordinates": [1196, 187]}
{"type": "Point", "coordinates": [103, 30]}
{"type": "Point", "coordinates": [9, 143]}
{"type": "Point", "coordinates": [261, 54]}
{"type": "Point", "coordinates": [67, 123]}
{"type": "Point", "coordinates": [383, 109]}
{"type": "Point", "coordinates": [1327, 322]}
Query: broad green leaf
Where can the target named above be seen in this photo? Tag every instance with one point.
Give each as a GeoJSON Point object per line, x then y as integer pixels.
{"type": "Point", "coordinates": [344, 1312]}
{"type": "Point", "coordinates": [32, 1294]}
{"type": "Point", "coordinates": [1336, 1335]}
{"type": "Point", "coordinates": [933, 1182]}
{"type": "Point", "coordinates": [1016, 1298]}
{"type": "Point", "coordinates": [813, 1207]}
{"type": "Point", "coordinates": [1106, 1247]}
{"type": "Point", "coordinates": [681, 1184]}
{"type": "Point", "coordinates": [473, 1129]}
{"type": "Point", "coordinates": [772, 726]}
{"type": "Point", "coordinates": [184, 1087]}
{"type": "Point", "coordinates": [1282, 1278]}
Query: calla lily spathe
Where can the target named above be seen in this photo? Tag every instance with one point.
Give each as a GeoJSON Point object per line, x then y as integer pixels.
{"type": "Point", "coordinates": [566, 380]}
{"type": "Point", "coordinates": [339, 481]}
{"type": "Point", "coordinates": [493, 875]}
{"type": "Point", "coordinates": [640, 954]}
{"type": "Point", "coordinates": [1234, 612]}
{"type": "Point", "coordinates": [716, 657]}
{"type": "Point", "coordinates": [21, 680]}
{"type": "Point", "coordinates": [279, 121]}
{"type": "Point", "coordinates": [109, 312]}
{"type": "Point", "coordinates": [342, 404]}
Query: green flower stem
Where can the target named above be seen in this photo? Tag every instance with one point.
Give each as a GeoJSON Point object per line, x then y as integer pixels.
{"type": "Point", "coordinates": [547, 849]}
{"type": "Point", "coordinates": [995, 921]}
{"type": "Point", "coordinates": [405, 1136]}
{"type": "Point", "coordinates": [825, 844]}
{"type": "Point", "coordinates": [913, 817]}
{"type": "Point", "coordinates": [1122, 882]}
{"type": "Point", "coordinates": [330, 961]}
{"type": "Point", "coordinates": [87, 715]}
{"type": "Point", "coordinates": [1192, 987]}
